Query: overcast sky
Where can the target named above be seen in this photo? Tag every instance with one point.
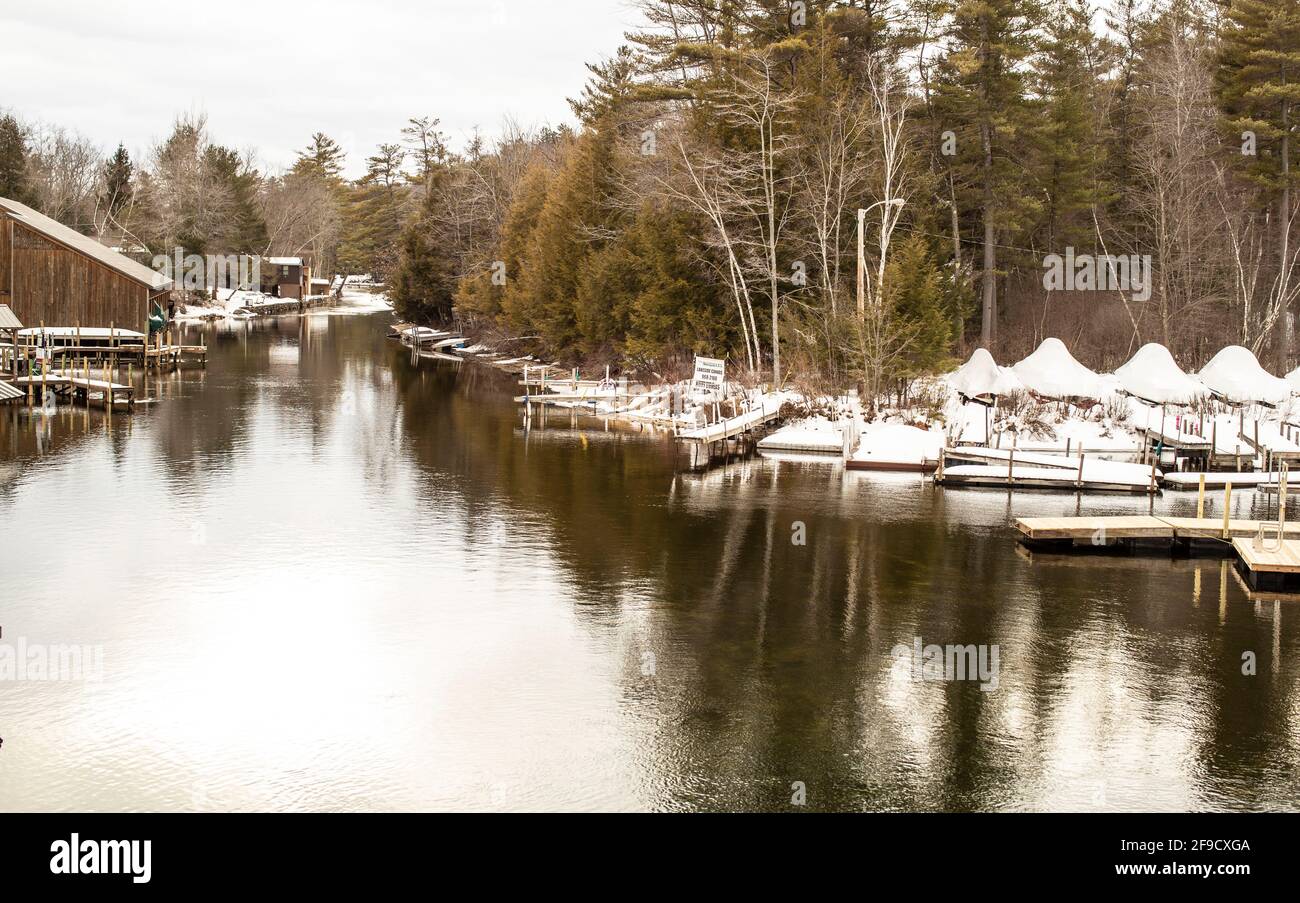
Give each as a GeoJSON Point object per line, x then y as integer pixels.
{"type": "Point", "coordinates": [269, 73]}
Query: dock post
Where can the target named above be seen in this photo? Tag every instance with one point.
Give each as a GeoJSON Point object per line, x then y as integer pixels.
{"type": "Point", "coordinates": [1281, 501]}
{"type": "Point", "coordinates": [1011, 459]}
{"type": "Point", "coordinates": [1154, 462]}
{"type": "Point", "coordinates": [1078, 481]}
{"type": "Point", "coordinates": [943, 452]}
{"type": "Point", "coordinates": [1227, 510]}
{"type": "Point", "coordinates": [1200, 500]}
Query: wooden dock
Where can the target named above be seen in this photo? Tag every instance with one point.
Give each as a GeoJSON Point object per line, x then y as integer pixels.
{"type": "Point", "coordinates": [1010, 468]}
{"type": "Point", "coordinates": [1266, 560]}
{"type": "Point", "coordinates": [79, 388]}
{"type": "Point", "coordinates": [174, 355]}
{"type": "Point", "coordinates": [1268, 564]}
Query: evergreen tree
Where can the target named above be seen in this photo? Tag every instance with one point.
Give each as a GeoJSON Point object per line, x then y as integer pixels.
{"type": "Point", "coordinates": [1259, 90]}
{"type": "Point", "coordinates": [374, 214]}
{"type": "Point", "coordinates": [424, 286]}
{"type": "Point", "coordinates": [323, 157]}
{"type": "Point", "coordinates": [917, 299]}
{"type": "Point", "coordinates": [119, 188]}
{"type": "Point", "coordinates": [13, 160]}
{"type": "Point", "coordinates": [982, 99]}
{"type": "Point", "coordinates": [243, 230]}
{"type": "Point", "coordinates": [1068, 147]}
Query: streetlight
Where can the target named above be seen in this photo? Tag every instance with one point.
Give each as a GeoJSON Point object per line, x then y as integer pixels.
{"type": "Point", "coordinates": [862, 263]}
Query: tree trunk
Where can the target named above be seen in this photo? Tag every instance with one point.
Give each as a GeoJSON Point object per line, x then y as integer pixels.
{"type": "Point", "coordinates": [1284, 224]}
{"type": "Point", "coordinates": [990, 251]}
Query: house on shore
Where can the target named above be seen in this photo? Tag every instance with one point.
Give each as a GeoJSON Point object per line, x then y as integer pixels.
{"type": "Point", "coordinates": [55, 275]}
{"type": "Point", "coordinates": [286, 277]}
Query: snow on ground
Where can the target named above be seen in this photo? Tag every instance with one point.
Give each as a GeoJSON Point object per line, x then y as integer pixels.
{"type": "Point", "coordinates": [813, 434]}
{"type": "Point", "coordinates": [1093, 436]}
{"type": "Point", "coordinates": [998, 472]}
{"type": "Point", "coordinates": [898, 443]}
{"type": "Point", "coordinates": [228, 303]}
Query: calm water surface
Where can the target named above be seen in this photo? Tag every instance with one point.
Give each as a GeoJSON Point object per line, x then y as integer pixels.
{"type": "Point", "coordinates": [325, 577]}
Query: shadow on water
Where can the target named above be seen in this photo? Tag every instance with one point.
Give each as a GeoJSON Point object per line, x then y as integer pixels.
{"type": "Point", "coordinates": [389, 590]}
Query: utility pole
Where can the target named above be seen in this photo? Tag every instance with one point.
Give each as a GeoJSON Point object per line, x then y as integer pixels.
{"type": "Point", "coordinates": [862, 259]}
{"type": "Point", "coordinates": [862, 267]}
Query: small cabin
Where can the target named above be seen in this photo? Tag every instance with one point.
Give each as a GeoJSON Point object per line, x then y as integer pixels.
{"type": "Point", "coordinates": [286, 277]}
{"type": "Point", "coordinates": [53, 275]}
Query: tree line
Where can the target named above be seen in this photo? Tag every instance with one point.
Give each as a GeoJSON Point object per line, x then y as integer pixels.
{"type": "Point", "coordinates": [843, 193]}
{"type": "Point", "coordinates": [708, 200]}
{"type": "Point", "coordinates": [193, 193]}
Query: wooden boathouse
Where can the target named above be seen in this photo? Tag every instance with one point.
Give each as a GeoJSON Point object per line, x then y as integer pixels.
{"type": "Point", "coordinates": [54, 275]}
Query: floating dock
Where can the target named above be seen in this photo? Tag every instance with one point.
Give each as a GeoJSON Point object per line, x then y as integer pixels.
{"type": "Point", "coordinates": [1268, 565]}
{"type": "Point", "coordinates": [79, 388]}
{"type": "Point", "coordinates": [1267, 554]}
{"type": "Point", "coordinates": [1088, 530]}
{"type": "Point", "coordinates": [1009, 468]}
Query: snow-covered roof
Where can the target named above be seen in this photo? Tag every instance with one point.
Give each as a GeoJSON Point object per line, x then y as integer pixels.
{"type": "Point", "coordinates": [1294, 379]}
{"type": "Point", "coordinates": [81, 332]}
{"type": "Point", "coordinates": [1052, 372]}
{"type": "Point", "coordinates": [83, 244]}
{"type": "Point", "coordinates": [981, 375]}
{"type": "Point", "coordinates": [286, 261]}
{"type": "Point", "coordinates": [1152, 375]}
{"type": "Point", "coordinates": [1235, 375]}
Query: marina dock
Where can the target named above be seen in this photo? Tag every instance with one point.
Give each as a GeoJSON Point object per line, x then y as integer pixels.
{"type": "Point", "coordinates": [1009, 468]}
{"type": "Point", "coordinates": [1267, 553]}
{"type": "Point", "coordinates": [78, 388]}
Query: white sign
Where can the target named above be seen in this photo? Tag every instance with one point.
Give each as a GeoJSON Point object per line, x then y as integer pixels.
{"type": "Point", "coordinates": [710, 375]}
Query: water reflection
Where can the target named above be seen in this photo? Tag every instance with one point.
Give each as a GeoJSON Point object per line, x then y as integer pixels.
{"type": "Point", "coordinates": [326, 576]}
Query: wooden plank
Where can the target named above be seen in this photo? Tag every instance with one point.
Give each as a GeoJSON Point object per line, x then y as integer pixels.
{"type": "Point", "coordinates": [1212, 528]}
{"type": "Point", "coordinates": [1285, 560]}
{"type": "Point", "coordinates": [1083, 528]}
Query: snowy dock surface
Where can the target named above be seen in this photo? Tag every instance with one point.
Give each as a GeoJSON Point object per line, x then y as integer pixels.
{"type": "Point", "coordinates": [733, 426]}
{"type": "Point", "coordinates": [1042, 471]}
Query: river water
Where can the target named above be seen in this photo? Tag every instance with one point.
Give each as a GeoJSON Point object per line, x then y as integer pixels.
{"type": "Point", "coordinates": [321, 576]}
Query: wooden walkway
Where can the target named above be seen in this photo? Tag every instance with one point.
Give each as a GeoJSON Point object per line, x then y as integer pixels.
{"type": "Point", "coordinates": [1084, 529]}
{"type": "Point", "coordinates": [1266, 561]}
{"type": "Point", "coordinates": [174, 355]}
{"type": "Point", "coordinates": [79, 388]}
{"type": "Point", "coordinates": [1009, 468]}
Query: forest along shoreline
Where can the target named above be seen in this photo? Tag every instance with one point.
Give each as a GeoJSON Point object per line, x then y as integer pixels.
{"type": "Point", "coordinates": [1145, 427]}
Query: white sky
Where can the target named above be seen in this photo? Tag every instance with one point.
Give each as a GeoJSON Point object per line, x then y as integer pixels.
{"type": "Point", "coordinates": [269, 73]}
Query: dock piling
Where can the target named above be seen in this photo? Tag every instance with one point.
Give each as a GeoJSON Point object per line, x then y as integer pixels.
{"type": "Point", "coordinates": [1227, 510]}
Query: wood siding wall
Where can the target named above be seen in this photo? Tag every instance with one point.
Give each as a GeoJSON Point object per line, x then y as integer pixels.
{"type": "Point", "coordinates": [60, 287]}
{"type": "Point", "coordinates": [6, 254]}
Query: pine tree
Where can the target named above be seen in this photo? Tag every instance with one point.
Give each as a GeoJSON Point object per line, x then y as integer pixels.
{"type": "Point", "coordinates": [374, 215]}
{"type": "Point", "coordinates": [1069, 151]}
{"type": "Point", "coordinates": [323, 157]}
{"type": "Point", "coordinates": [1259, 90]}
{"type": "Point", "coordinates": [243, 230]}
{"type": "Point", "coordinates": [13, 160]}
{"type": "Point", "coordinates": [982, 100]}
{"type": "Point", "coordinates": [424, 286]}
{"type": "Point", "coordinates": [917, 298]}
{"type": "Point", "coordinates": [119, 188]}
